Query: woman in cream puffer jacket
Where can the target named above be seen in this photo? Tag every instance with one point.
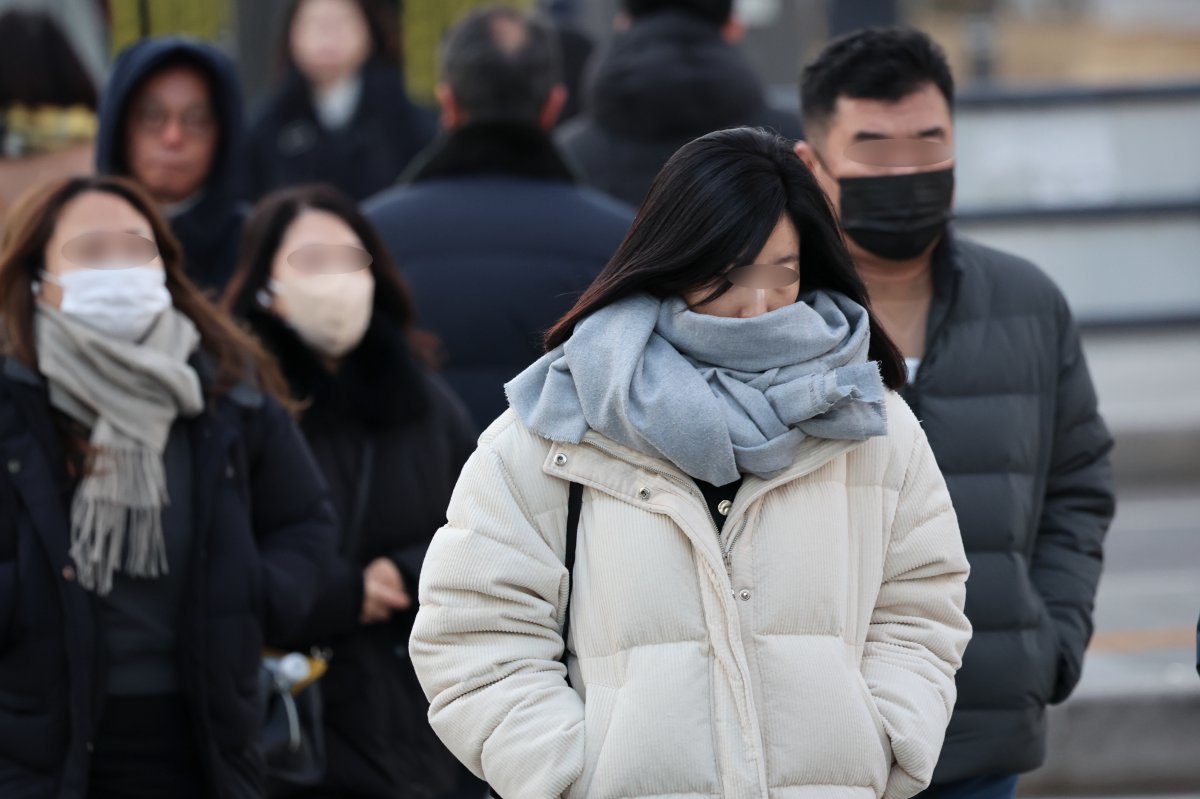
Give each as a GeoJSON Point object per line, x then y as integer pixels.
{"type": "Point", "coordinates": [797, 640]}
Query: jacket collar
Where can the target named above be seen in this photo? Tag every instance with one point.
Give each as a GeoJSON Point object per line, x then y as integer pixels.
{"type": "Point", "coordinates": [643, 480]}
{"type": "Point", "coordinates": [492, 148]}
{"type": "Point", "coordinates": [380, 384]}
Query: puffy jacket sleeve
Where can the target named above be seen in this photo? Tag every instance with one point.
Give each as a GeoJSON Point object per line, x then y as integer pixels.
{"type": "Point", "coordinates": [293, 520]}
{"type": "Point", "coordinates": [1078, 507]}
{"type": "Point", "coordinates": [918, 631]}
{"type": "Point", "coordinates": [487, 637]}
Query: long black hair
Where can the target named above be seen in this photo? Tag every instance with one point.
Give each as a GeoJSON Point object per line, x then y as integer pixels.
{"type": "Point", "coordinates": [712, 208]}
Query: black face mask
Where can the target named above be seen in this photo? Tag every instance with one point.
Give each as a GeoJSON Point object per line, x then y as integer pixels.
{"type": "Point", "coordinates": [897, 216]}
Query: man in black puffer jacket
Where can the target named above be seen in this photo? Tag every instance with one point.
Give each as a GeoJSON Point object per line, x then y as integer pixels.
{"type": "Point", "coordinates": [999, 381]}
{"type": "Point", "coordinates": [673, 75]}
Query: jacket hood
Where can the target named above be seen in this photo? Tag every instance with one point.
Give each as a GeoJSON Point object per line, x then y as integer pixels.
{"type": "Point", "coordinates": [672, 76]}
{"type": "Point", "coordinates": [136, 63]}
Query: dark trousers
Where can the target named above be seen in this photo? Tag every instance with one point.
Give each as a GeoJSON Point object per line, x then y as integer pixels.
{"type": "Point", "coordinates": [145, 749]}
{"type": "Point", "coordinates": [975, 788]}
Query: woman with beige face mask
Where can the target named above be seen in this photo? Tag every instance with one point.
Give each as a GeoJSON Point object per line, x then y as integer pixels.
{"type": "Point", "coordinates": [315, 284]}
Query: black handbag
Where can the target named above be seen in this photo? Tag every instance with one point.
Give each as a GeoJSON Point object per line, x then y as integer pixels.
{"type": "Point", "coordinates": [292, 737]}
{"type": "Point", "coordinates": [574, 509]}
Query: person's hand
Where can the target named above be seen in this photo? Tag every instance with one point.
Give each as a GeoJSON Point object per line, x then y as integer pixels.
{"type": "Point", "coordinates": [383, 591]}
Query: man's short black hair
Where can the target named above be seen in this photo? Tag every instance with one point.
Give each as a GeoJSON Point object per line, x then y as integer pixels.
{"type": "Point", "coordinates": [872, 64]}
{"type": "Point", "coordinates": [717, 12]}
{"type": "Point", "coordinates": [501, 65]}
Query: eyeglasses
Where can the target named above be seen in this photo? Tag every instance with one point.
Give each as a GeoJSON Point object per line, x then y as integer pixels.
{"type": "Point", "coordinates": [900, 152]}
{"type": "Point", "coordinates": [764, 276]}
{"type": "Point", "coordinates": [329, 259]}
{"type": "Point", "coordinates": [195, 121]}
{"type": "Point", "coordinates": [102, 249]}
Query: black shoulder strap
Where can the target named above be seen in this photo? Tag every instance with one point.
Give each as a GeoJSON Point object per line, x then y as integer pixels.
{"type": "Point", "coordinates": [574, 507]}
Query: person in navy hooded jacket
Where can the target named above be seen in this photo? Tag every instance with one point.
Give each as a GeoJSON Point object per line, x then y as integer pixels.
{"type": "Point", "coordinates": [171, 119]}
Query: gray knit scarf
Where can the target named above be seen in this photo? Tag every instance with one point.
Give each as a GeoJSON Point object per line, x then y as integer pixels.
{"type": "Point", "coordinates": [717, 397]}
{"type": "Point", "coordinates": [129, 395]}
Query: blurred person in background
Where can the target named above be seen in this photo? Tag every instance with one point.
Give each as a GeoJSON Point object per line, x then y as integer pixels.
{"type": "Point", "coordinates": [999, 381]}
{"type": "Point", "coordinates": [491, 230]}
{"type": "Point", "coordinates": [171, 119]}
{"type": "Point", "coordinates": [342, 115]}
{"type": "Point", "coordinates": [160, 514]}
{"type": "Point", "coordinates": [47, 105]}
{"type": "Point", "coordinates": [671, 73]}
{"type": "Point", "coordinates": [317, 287]}
{"type": "Point", "coordinates": [575, 46]}
{"type": "Point", "coordinates": [767, 595]}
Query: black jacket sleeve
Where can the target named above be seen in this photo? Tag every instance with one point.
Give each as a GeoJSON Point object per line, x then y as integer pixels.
{"type": "Point", "coordinates": [1078, 507]}
{"type": "Point", "coordinates": [294, 522]}
{"type": "Point", "coordinates": [458, 430]}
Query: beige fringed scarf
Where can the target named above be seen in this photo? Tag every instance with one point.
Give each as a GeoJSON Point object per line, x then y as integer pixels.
{"type": "Point", "coordinates": [129, 395]}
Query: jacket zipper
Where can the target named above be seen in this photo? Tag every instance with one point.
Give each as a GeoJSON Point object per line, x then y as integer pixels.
{"type": "Point", "coordinates": [687, 487]}
{"type": "Point", "coordinates": [726, 549]}
{"type": "Point", "coordinates": [933, 342]}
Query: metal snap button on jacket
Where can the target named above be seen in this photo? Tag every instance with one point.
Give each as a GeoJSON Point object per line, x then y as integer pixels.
{"type": "Point", "coordinates": [744, 594]}
{"type": "Point", "coordinates": [723, 507]}
{"type": "Point", "coordinates": [560, 459]}
{"type": "Point", "coordinates": [644, 493]}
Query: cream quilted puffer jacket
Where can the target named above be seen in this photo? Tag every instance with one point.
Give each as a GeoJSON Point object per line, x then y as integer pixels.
{"type": "Point", "coordinates": [807, 651]}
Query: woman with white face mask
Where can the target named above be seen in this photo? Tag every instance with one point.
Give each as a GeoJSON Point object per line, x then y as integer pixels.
{"type": "Point", "coordinates": [315, 284]}
{"type": "Point", "coordinates": [160, 514]}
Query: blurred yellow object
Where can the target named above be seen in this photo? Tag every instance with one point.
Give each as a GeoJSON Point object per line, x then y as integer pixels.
{"type": "Point", "coordinates": [45, 129]}
{"type": "Point", "coordinates": [136, 19]}
{"type": "Point", "coordinates": [317, 667]}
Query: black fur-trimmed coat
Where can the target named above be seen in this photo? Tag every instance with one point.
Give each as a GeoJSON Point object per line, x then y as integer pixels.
{"type": "Point", "coordinates": [378, 739]}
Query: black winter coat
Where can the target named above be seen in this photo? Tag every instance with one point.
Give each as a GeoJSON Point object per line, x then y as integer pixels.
{"type": "Point", "coordinates": [384, 415]}
{"type": "Point", "coordinates": [264, 530]}
{"type": "Point", "coordinates": [289, 146]}
{"type": "Point", "coordinates": [497, 242]}
{"type": "Point", "coordinates": [1005, 397]}
{"type": "Point", "coordinates": [209, 230]}
{"type": "Point", "coordinates": [669, 79]}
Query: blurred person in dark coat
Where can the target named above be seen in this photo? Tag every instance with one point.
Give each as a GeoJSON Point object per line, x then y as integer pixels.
{"type": "Point", "coordinates": [671, 73]}
{"type": "Point", "coordinates": [342, 115]}
{"type": "Point", "coordinates": [317, 287]}
{"type": "Point", "coordinates": [997, 377]}
{"type": "Point", "coordinates": [171, 119]}
{"type": "Point", "coordinates": [492, 230]}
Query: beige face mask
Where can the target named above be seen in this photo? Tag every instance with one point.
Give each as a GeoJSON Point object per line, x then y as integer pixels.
{"type": "Point", "coordinates": [329, 312]}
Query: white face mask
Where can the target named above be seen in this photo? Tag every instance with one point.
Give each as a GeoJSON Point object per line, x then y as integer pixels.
{"type": "Point", "coordinates": [122, 301]}
{"type": "Point", "coordinates": [331, 312]}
